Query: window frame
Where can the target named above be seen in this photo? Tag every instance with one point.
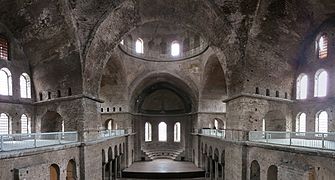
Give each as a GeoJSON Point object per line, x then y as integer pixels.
{"type": "Point", "coordinates": [8, 81]}
{"type": "Point", "coordinates": [27, 85]}
{"type": "Point", "coordinates": [317, 80]}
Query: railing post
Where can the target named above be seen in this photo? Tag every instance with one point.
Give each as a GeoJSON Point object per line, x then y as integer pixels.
{"type": "Point", "coordinates": [216, 133]}
{"type": "Point", "coordinates": [1, 145]}
{"type": "Point", "coordinates": [266, 136]}
{"type": "Point", "coordinates": [323, 140]}
{"type": "Point", "coordinates": [59, 137]}
{"type": "Point", "coordinates": [35, 143]}
{"type": "Point", "coordinates": [290, 136]}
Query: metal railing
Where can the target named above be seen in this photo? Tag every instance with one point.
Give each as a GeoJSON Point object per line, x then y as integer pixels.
{"type": "Point", "coordinates": [227, 134]}
{"type": "Point", "coordinates": [302, 139]}
{"type": "Point", "coordinates": [112, 133]}
{"type": "Point", "coordinates": [9, 142]}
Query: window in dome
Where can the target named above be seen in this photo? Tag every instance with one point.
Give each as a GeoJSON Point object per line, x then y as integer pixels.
{"type": "Point", "coordinates": [139, 46]}
{"type": "Point", "coordinates": [323, 47]}
{"type": "Point", "coordinates": [321, 81]}
{"type": "Point", "coordinates": [5, 82]}
{"type": "Point", "coordinates": [3, 48]}
{"type": "Point", "coordinates": [175, 49]}
{"type": "Point", "coordinates": [302, 86]}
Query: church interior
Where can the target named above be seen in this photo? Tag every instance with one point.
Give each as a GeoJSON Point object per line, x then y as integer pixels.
{"type": "Point", "coordinates": [167, 89]}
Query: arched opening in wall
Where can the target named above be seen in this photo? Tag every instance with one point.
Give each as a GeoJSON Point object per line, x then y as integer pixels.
{"type": "Point", "coordinates": [71, 170]}
{"type": "Point", "coordinates": [272, 173]}
{"type": "Point", "coordinates": [321, 83]}
{"type": "Point", "coordinates": [5, 82]}
{"type": "Point", "coordinates": [177, 132]}
{"type": "Point", "coordinates": [302, 86]}
{"type": "Point", "coordinates": [109, 124]}
{"type": "Point", "coordinates": [218, 124]}
{"type": "Point", "coordinates": [300, 124]}
{"type": "Point", "coordinates": [321, 122]}
{"type": "Point", "coordinates": [162, 131]}
{"type": "Point", "coordinates": [52, 122]}
{"type": "Point", "coordinates": [113, 83]}
{"type": "Point", "coordinates": [54, 172]}
{"type": "Point", "coordinates": [218, 170]}
{"type": "Point", "coordinates": [222, 162]}
{"type": "Point", "coordinates": [25, 86]}
{"type": "Point", "coordinates": [275, 121]}
{"type": "Point", "coordinates": [5, 124]}
{"type": "Point", "coordinates": [25, 124]}
{"type": "Point", "coordinates": [255, 171]}
{"type": "Point", "coordinates": [214, 82]}
{"type": "Point", "coordinates": [147, 132]}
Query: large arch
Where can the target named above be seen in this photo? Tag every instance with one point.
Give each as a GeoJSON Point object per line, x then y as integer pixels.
{"type": "Point", "coordinates": [52, 122]}
{"type": "Point", "coordinates": [110, 31]}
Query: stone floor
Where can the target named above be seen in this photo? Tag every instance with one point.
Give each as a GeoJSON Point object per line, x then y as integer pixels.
{"type": "Point", "coordinates": [162, 166]}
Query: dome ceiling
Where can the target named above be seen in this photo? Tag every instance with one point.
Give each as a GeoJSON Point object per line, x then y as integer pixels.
{"type": "Point", "coordinates": [162, 41]}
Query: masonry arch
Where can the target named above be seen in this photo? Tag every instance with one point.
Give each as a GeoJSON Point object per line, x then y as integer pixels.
{"type": "Point", "coordinates": [54, 172]}
{"type": "Point", "coordinates": [255, 171]}
{"type": "Point", "coordinates": [71, 172]}
{"type": "Point", "coordinates": [52, 122]}
{"type": "Point", "coordinates": [272, 173]}
{"type": "Point", "coordinates": [106, 38]}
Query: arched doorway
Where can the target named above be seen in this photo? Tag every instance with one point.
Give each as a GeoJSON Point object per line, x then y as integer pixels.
{"type": "Point", "coordinates": [54, 172]}
{"type": "Point", "coordinates": [272, 173]}
{"type": "Point", "coordinates": [71, 170]}
{"type": "Point", "coordinates": [255, 171]}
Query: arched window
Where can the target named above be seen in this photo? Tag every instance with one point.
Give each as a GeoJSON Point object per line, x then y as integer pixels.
{"type": "Point", "coordinates": [216, 124]}
{"type": "Point", "coordinates": [3, 48]}
{"type": "Point", "coordinates": [323, 46]}
{"type": "Point", "coordinates": [147, 132]}
{"type": "Point", "coordinates": [177, 132]}
{"type": "Point", "coordinates": [139, 46]}
{"type": "Point", "coordinates": [25, 86]}
{"type": "Point", "coordinates": [110, 125]}
{"type": "Point", "coordinates": [162, 131]}
{"type": "Point", "coordinates": [321, 122]}
{"type": "Point", "coordinates": [25, 124]}
{"type": "Point", "coordinates": [175, 48]}
{"type": "Point", "coordinates": [321, 80]}
{"type": "Point", "coordinates": [5, 127]}
{"type": "Point", "coordinates": [300, 124]}
{"type": "Point", "coordinates": [5, 82]}
{"type": "Point", "coordinates": [302, 86]}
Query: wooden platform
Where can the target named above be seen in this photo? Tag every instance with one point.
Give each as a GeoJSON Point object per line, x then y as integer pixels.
{"type": "Point", "coordinates": [163, 168]}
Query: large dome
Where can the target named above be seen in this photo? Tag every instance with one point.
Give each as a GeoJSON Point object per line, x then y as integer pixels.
{"type": "Point", "coordinates": [162, 41]}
